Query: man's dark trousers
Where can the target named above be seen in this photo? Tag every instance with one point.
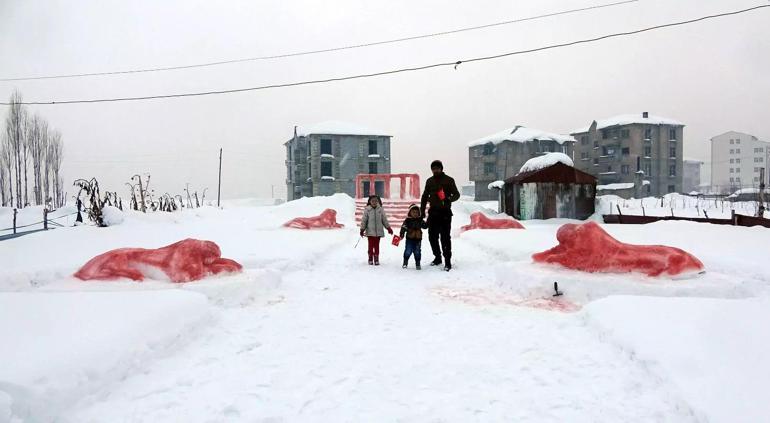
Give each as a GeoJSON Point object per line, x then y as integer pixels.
{"type": "Point", "coordinates": [439, 227]}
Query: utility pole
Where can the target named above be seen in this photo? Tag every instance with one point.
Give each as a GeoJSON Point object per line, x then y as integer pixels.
{"type": "Point", "coordinates": [272, 191]}
{"type": "Point", "coordinates": [219, 185]}
{"type": "Point", "coordinates": [761, 208]}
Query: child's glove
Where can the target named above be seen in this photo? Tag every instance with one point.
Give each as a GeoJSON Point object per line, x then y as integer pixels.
{"type": "Point", "coordinates": [390, 231]}
{"type": "Point", "coordinates": [362, 232]}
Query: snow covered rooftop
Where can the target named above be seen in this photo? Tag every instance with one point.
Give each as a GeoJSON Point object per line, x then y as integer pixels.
{"type": "Point", "coordinates": [542, 162]}
{"type": "Point", "coordinates": [630, 119]}
{"type": "Point", "coordinates": [616, 186]}
{"type": "Point", "coordinates": [332, 127]}
{"type": "Point", "coordinates": [521, 134]}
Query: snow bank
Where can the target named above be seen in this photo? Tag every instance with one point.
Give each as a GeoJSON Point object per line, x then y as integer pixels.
{"type": "Point", "coordinates": [521, 134]}
{"type": "Point", "coordinates": [542, 162]}
{"type": "Point", "coordinates": [60, 347]}
{"type": "Point", "coordinates": [332, 127]}
{"type": "Point", "coordinates": [496, 185]}
{"type": "Point", "coordinates": [712, 350]}
{"type": "Point", "coordinates": [112, 216]}
{"type": "Point", "coordinates": [628, 119]}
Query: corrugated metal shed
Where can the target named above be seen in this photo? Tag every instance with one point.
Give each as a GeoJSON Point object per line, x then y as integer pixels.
{"type": "Point", "coordinates": [556, 191]}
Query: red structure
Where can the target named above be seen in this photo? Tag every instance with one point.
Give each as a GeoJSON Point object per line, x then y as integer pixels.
{"type": "Point", "coordinates": [183, 261]}
{"type": "Point", "coordinates": [481, 221]}
{"type": "Point", "coordinates": [386, 178]}
{"type": "Point", "coordinates": [326, 220]}
{"type": "Point", "coordinates": [589, 248]}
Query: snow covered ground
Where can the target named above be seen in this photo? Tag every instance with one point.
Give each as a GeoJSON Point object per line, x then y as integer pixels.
{"type": "Point", "coordinates": [678, 204]}
{"type": "Point", "coordinates": [309, 332]}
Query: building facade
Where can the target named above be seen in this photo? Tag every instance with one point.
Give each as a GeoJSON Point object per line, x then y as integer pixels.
{"type": "Point", "coordinates": [500, 156]}
{"type": "Point", "coordinates": [691, 176]}
{"type": "Point", "coordinates": [324, 159]}
{"type": "Point", "coordinates": [736, 160]}
{"type": "Point", "coordinates": [615, 149]}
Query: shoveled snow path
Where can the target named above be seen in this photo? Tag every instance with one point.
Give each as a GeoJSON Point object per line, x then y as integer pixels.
{"type": "Point", "coordinates": [342, 341]}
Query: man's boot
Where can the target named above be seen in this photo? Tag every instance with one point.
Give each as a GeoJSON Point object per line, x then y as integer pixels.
{"type": "Point", "coordinates": [436, 262]}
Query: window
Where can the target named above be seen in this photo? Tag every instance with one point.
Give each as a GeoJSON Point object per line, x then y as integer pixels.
{"type": "Point", "coordinates": [596, 161]}
{"type": "Point", "coordinates": [732, 141]}
{"type": "Point", "coordinates": [737, 151]}
{"type": "Point", "coordinates": [609, 168]}
{"type": "Point", "coordinates": [648, 133]}
{"type": "Point", "coordinates": [610, 151]}
{"type": "Point", "coordinates": [737, 140]}
{"type": "Point", "coordinates": [732, 151]}
{"type": "Point", "coordinates": [624, 169]}
{"type": "Point", "coordinates": [625, 151]}
{"type": "Point", "coordinates": [326, 147]}
{"type": "Point", "coordinates": [737, 170]}
{"type": "Point", "coordinates": [672, 170]}
{"type": "Point", "coordinates": [732, 170]}
{"type": "Point", "coordinates": [373, 147]}
{"type": "Point", "coordinates": [489, 168]}
{"type": "Point", "coordinates": [671, 188]}
{"type": "Point", "coordinates": [583, 155]}
{"type": "Point", "coordinates": [761, 149]}
{"type": "Point", "coordinates": [584, 140]}
{"type": "Point", "coordinates": [624, 133]}
{"type": "Point", "coordinates": [756, 179]}
{"type": "Point", "coordinates": [647, 151]}
{"type": "Point", "coordinates": [372, 167]}
{"type": "Point", "coordinates": [756, 169]}
{"type": "Point", "coordinates": [605, 134]}
{"type": "Point", "coordinates": [737, 160]}
{"type": "Point", "coordinates": [647, 169]}
{"type": "Point", "coordinates": [732, 179]}
{"type": "Point", "coordinates": [596, 144]}
{"type": "Point", "coordinates": [326, 169]}
{"type": "Point", "coordinates": [489, 149]}
{"type": "Point", "coordinates": [672, 152]}
{"type": "Point", "coordinates": [738, 180]}
{"type": "Point", "coordinates": [732, 161]}
{"type": "Point", "coordinates": [672, 134]}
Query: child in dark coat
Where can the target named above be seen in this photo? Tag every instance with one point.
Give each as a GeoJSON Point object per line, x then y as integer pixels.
{"type": "Point", "coordinates": [412, 228]}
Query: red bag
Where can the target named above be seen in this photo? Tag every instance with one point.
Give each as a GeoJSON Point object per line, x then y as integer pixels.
{"type": "Point", "coordinates": [441, 195]}
{"type": "Point", "coordinates": [396, 240]}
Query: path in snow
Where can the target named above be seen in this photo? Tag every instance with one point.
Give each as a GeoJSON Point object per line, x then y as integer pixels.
{"type": "Point", "coordinates": [338, 340]}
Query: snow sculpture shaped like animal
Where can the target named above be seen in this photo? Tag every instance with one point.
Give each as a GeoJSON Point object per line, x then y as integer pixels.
{"type": "Point", "coordinates": [589, 248]}
{"type": "Point", "coordinates": [183, 261]}
{"type": "Point", "coordinates": [481, 221]}
{"type": "Point", "coordinates": [326, 220]}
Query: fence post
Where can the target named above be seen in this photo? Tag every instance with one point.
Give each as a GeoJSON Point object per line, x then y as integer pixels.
{"type": "Point", "coordinates": [732, 216]}
{"type": "Point", "coordinates": [45, 219]}
{"type": "Point", "coordinates": [14, 220]}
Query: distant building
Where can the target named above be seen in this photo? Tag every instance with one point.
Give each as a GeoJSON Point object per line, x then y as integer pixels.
{"type": "Point", "coordinates": [499, 156]}
{"type": "Point", "coordinates": [736, 159]}
{"type": "Point", "coordinates": [614, 149]}
{"type": "Point", "coordinates": [324, 159]}
{"type": "Point", "coordinates": [691, 176]}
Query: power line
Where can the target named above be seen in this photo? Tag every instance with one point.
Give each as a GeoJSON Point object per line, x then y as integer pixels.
{"type": "Point", "coordinates": [396, 71]}
{"type": "Point", "coordinates": [327, 50]}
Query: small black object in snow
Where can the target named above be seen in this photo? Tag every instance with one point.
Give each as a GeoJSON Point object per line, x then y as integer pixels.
{"type": "Point", "coordinates": [556, 290]}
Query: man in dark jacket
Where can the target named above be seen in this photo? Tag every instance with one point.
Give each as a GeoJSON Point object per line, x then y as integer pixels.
{"type": "Point", "coordinates": [440, 192]}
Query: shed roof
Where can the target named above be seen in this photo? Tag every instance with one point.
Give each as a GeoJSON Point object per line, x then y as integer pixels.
{"type": "Point", "coordinates": [558, 172]}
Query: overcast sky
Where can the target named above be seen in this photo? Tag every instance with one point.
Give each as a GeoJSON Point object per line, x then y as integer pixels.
{"type": "Point", "coordinates": [713, 76]}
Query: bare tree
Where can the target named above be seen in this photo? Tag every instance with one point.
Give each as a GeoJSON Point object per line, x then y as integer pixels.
{"type": "Point", "coordinates": [38, 146]}
{"type": "Point", "coordinates": [15, 131]}
{"type": "Point", "coordinates": [54, 159]}
{"type": "Point", "coordinates": [4, 174]}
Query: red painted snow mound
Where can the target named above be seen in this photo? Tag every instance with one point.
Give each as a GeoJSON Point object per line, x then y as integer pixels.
{"type": "Point", "coordinates": [183, 261]}
{"type": "Point", "coordinates": [589, 248]}
{"type": "Point", "coordinates": [326, 220]}
{"type": "Point", "coordinates": [481, 221]}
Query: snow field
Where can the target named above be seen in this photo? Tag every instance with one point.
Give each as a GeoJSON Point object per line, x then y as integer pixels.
{"type": "Point", "coordinates": [309, 332]}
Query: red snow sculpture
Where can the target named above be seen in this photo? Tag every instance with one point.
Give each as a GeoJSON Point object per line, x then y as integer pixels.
{"type": "Point", "coordinates": [183, 261]}
{"type": "Point", "coordinates": [481, 221]}
{"type": "Point", "coordinates": [326, 220]}
{"type": "Point", "coordinates": [589, 248]}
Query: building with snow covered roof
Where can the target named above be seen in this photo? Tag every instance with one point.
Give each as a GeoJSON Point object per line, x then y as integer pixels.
{"type": "Point", "coordinates": [500, 155]}
{"type": "Point", "coordinates": [614, 149]}
{"type": "Point", "coordinates": [691, 175]}
{"type": "Point", "coordinates": [736, 160]}
{"type": "Point", "coordinates": [325, 158]}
